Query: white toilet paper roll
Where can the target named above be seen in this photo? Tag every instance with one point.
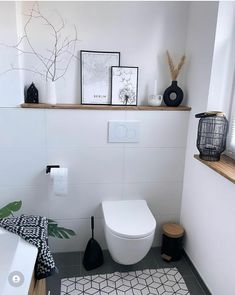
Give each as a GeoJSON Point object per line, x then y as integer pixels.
{"type": "Point", "coordinates": [60, 181]}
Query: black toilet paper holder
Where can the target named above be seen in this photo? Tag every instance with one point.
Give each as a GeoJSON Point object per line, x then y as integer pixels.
{"type": "Point", "coordinates": [48, 168]}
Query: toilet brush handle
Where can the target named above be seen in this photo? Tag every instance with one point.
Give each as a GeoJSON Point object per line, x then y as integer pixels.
{"type": "Point", "coordinates": [92, 226]}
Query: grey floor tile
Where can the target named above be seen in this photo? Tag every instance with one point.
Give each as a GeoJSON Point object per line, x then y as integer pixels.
{"type": "Point", "coordinates": [193, 285]}
{"type": "Point", "coordinates": [69, 271]}
{"type": "Point", "coordinates": [53, 284]}
{"type": "Point", "coordinates": [67, 259]}
{"type": "Point", "coordinates": [147, 262]}
{"type": "Point", "coordinates": [110, 266]}
{"type": "Point", "coordinates": [182, 265]}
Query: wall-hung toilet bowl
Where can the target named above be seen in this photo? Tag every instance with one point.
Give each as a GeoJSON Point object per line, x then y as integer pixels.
{"type": "Point", "coordinates": [129, 229]}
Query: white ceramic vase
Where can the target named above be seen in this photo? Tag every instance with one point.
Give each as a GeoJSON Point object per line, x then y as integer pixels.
{"type": "Point", "coordinates": [50, 92]}
{"type": "Point", "coordinates": [155, 100]}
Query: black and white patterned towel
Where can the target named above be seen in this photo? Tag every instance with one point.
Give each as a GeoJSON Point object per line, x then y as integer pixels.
{"type": "Point", "coordinates": [34, 230]}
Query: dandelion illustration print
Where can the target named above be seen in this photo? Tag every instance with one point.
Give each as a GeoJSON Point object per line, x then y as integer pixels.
{"type": "Point", "coordinates": [127, 95]}
{"type": "Point", "coordinates": [124, 85]}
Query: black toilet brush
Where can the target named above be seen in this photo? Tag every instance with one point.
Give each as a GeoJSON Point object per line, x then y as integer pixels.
{"type": "Point", "coordinates": [93, 256]}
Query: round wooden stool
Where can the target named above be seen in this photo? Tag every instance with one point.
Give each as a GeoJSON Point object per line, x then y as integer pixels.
{"type": "Point", "coordinates": [172, 239]}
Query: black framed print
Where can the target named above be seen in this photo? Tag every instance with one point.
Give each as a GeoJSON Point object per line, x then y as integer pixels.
{"type": "Point", "coordinates": [124, 85]}
{"type": "Point", "coordinates": [96, 75]}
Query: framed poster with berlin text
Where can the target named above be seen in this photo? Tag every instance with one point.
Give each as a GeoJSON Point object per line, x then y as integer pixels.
{"type": "Point", "coordinates": [96, 76]}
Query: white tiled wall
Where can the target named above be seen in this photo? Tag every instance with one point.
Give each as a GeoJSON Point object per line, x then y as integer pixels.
{"type": "Point", "coordinates": [151, 169]}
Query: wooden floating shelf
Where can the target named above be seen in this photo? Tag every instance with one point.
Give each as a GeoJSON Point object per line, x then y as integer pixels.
{"type": "Point", "coordinates": [225, 167]}
{"type": "Point", "coordinates": [103, 107]}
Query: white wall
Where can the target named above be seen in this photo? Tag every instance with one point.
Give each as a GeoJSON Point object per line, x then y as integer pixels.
{"type": "Point", "coordinates": [141, 31]}
{"type": "Point", "coordinates": [151, 169]}
{"type": "Point", "coordinates": [208, 202]}
{"type": "Point", "coordinates": [10, 85]}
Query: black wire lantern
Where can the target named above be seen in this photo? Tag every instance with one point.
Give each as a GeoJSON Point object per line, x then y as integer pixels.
{"type": "Point", "coordinates": [211, 136]}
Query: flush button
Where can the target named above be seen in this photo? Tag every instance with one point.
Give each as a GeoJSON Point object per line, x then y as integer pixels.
{"type": "Point", "coordinates": [123, 131]}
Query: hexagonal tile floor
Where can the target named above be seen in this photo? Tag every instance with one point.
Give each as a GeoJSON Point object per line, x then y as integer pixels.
{"type": "Point", "coordinates": [164, 281]}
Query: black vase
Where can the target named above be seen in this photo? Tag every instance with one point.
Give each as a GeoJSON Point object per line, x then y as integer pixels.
{"type": "Point", "coordinates": [173, 95]}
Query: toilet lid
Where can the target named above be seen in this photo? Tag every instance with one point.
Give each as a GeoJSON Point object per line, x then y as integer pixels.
{"type": "Point", "coordinates": [130, 219]}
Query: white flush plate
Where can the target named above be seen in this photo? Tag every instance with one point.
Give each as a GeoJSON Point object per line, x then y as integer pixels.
{"type": "Point", "coordinates": [123, 131]}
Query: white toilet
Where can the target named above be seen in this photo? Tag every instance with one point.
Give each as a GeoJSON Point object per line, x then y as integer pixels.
{"type": "Point", "coordinates": [129, 229]}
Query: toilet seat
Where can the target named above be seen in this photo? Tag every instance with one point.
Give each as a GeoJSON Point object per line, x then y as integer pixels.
{"type": "Point", "coordinates": [130, 219]}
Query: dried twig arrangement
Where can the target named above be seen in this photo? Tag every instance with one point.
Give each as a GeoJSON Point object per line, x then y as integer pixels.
{"type": "Point", "coordinates": [55, 64]}
{"type": "Point", "coordinates": [175, 70]}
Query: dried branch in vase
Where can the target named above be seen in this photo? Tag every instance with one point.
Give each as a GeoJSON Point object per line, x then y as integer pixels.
{"type": "Point", "coordinates": [174, 70]}
{"type": "Point", "coordinates": [56, 62]}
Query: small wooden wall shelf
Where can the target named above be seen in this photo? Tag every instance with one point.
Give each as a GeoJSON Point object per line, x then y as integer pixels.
{"type": "Point", "coordinates": [103, 107]}
{"type": "Point", "coordinates": [225, 167]}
